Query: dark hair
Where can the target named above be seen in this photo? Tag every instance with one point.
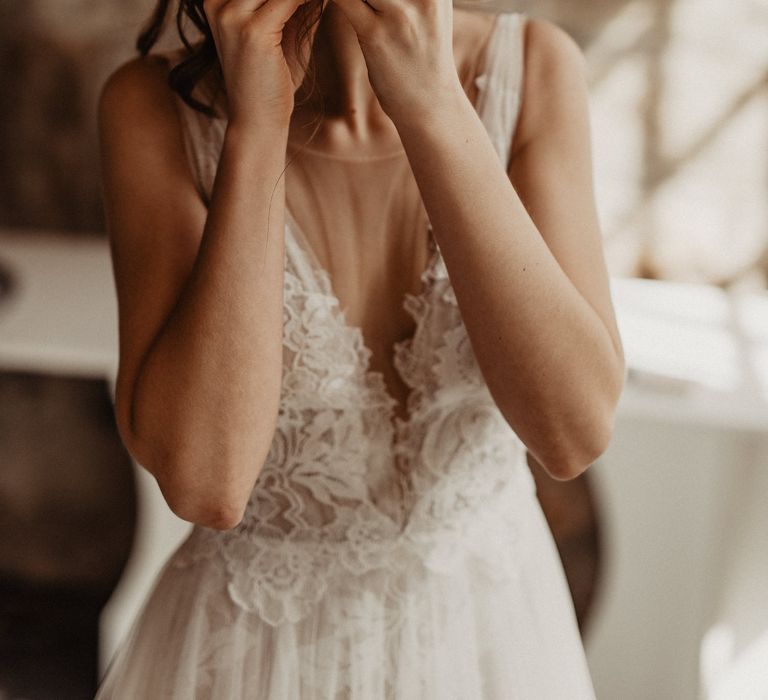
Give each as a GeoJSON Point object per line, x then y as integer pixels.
{"type": "Point", "coordinates": [202, 57]}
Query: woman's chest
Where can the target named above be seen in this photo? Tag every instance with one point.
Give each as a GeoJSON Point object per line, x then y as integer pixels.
{"type": "Point", "coordinates": [363, 226]}
{"type": "Point", "coordinates": [327, 363]}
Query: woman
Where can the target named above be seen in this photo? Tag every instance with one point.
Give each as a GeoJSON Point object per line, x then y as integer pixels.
{"type": "Point", "coordinates": [360, 276]}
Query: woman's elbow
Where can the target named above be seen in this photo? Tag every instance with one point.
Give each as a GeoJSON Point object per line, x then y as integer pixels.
{"type": "Point", "coordinates": [580, 451]}
{"type": "Point", "coordinates": [204, 506]}
{"type": "Point", "coordinates": [569, 466]}
{"type": "Point", "coordinates": [217, 516]}
{"type": "Point", "coordinates": [583, 441]}
{"type": "Point", "coordinates": [193, 492]}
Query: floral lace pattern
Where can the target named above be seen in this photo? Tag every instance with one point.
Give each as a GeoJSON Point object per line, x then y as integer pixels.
{"type": "Point", "coordinates": [333, 499]}
{"type": "Point", "coordinates": [348, 488]}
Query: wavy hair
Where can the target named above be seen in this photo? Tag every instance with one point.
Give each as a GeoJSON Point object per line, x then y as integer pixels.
{"type": "Point", "coordinates": [201, 56]}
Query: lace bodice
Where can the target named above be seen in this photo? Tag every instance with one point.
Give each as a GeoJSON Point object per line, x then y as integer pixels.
{"type": "Point", "coordinates": [348, 486]}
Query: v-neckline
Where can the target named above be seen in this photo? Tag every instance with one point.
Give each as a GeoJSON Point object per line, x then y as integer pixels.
{"type": "Point", "coordinates": [323, 279]}
{"type": "Point", "coordinates": [374, 377]}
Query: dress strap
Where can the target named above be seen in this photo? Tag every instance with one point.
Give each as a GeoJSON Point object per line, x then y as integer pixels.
{"type": "Point", "coordinates": [498, 101]}
{"type": "Point", "coordinates": [202, 135]}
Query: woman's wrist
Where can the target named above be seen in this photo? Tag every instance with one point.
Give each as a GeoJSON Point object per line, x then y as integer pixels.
{"type": "Point", "coordinates": [257, 141]}
{"type": "Point", "coordinates": [441, 113]}
{"type": "Point", "coordinates": [443, 98]}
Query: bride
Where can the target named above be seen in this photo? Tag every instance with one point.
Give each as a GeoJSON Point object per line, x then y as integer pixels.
{"type": "Point", "coordinates": [360, 275]}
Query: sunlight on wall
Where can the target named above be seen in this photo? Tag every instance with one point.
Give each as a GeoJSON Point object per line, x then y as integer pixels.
{"type": "Point", "coordinates": [680, 108]}
{"type": "Point", "coordinates": [729, 675]}
{"type": "Point", "coordinates": [726, 675]}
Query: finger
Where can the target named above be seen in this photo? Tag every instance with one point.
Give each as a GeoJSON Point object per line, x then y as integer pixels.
{"type": "Point", "coordinates": [211, 7]}
{"type": "Point", "coordinates": [226, 12]}
{"type": "Point", "coordinates": [240, 8]}
{"type": "Point", "coordinates": [214, 8]}
{"type": "Point", "coordinates": [211, 10]}
{"type": "Point", "coordinates": [276, 13]}
{"type": "Point", "coordinates": [361, 15]}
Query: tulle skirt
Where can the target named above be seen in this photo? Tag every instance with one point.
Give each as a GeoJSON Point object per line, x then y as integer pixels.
{"type": "Point", "coordinates": [464, 636]}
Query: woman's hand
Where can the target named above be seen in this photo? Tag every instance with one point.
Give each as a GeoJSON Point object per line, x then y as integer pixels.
{"type": "Point", "coordinates": [408, 48]}
{"type": "Point", "coordinates": [255, 43]}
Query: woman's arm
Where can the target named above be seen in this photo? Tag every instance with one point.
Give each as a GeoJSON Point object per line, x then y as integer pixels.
{"type": "Point", "coordinates": [200, 294]}
{"type": "Point", "coordinates": [524, 254]}
{"type": "Point", "coordinates": [200, 297]}
{"type": "Point", "coordinates": [523, 248]}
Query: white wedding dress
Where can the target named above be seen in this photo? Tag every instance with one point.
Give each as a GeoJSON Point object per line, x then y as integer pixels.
{"type": "Point", "coordinates": [379, 557]}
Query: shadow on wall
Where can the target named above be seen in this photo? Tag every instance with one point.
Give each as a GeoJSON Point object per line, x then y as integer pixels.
{"type": "Point", "coordinates": [679, 106]}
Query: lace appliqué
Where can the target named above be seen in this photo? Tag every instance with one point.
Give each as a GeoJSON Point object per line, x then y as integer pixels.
{"type": "Point", "coordinates": [351, 499]}
{"type": "Point", "coordinates": [329, 505]}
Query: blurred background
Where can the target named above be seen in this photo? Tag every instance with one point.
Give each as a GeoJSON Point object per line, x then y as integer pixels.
{"type": "Point", "coordinates": [664, 540]}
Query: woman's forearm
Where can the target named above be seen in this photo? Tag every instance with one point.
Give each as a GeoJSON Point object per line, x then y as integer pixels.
{"type": "Point", "coordinates": [207, 393]}
{"type": "Point", "coordinates": [546, 355]}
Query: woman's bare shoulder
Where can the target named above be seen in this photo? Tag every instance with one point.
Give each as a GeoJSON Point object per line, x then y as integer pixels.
{"type": "Point", "coordinates": [141, 131]}
{"type": "Point", "coordinates": [136, 97]}
{"type": "Point", "coordinates": [554, 78]}
{"type": "Point", "coordinates": [549, 48]}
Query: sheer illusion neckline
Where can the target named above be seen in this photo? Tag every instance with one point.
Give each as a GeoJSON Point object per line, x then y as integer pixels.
{"type": "Point", "coordinates": [374, 377]}
{"type": "Point", "coordinates": [297, 148]}
{"type": "Point", "coordinates": [400, 348]}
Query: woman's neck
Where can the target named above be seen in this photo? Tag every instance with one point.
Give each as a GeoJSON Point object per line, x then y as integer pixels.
{"type": "Point", "coordinates": [349, 107]}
